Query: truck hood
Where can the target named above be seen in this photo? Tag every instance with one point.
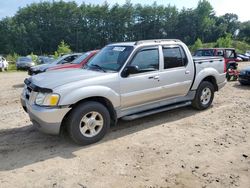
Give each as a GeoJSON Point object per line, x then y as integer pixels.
{"type": "Point", "coordinates": [52, 79]}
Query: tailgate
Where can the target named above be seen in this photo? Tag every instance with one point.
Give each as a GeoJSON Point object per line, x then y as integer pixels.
{"type": "Point", "coordinates": [217, 63]}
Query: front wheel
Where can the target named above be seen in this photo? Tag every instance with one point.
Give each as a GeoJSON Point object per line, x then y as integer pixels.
{"type": "Point", "coordinates": [204, 96]}
{"type": "Point", "coordinates": [88, 123]}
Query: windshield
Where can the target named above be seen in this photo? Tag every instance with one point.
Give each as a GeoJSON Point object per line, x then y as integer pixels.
{"type": "Point", "coordinates": [110, 58]}
{"type": "Point", "coordinates": [56, 61]}
{"type": "Point", "coordinates": [24, 59]}
{"type": "Point", "coordinates": [81, 58]}
{"type": "Point", "coordinates": [47, 59]}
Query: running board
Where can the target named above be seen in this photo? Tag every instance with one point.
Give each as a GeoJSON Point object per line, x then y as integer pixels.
{"type": "Point", "coordinates": [155, 111]}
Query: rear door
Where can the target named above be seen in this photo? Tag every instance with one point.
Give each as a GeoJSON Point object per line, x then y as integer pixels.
{"type": "Point", "coordinates": [177, 73]}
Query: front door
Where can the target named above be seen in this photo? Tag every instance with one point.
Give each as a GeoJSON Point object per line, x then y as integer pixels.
{"type": "Point", "coordinates": [142, 87]}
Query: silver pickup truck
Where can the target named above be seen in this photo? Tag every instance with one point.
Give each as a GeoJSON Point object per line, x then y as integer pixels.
{"type": "Point", "coordinates": [124, 80]}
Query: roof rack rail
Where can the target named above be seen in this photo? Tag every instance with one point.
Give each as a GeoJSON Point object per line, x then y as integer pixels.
{"type": "Point", "coordinates": [156, 41]}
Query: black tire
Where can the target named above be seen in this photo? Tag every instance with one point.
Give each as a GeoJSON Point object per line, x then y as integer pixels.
{"type": "Point", "coordinates": [197, 103]}
{"type": "Point", "coordinates": [75, 119]}
{"type": "Point", "coordinates": [243, 83]}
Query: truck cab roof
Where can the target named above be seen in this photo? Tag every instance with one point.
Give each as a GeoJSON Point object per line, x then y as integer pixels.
{"type": "Point", "coordinates": [146, 42]}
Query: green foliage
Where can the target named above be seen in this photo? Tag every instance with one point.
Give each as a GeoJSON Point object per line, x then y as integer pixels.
{"type": "Point", "coordinates": [224, 42]}
{"type": "Point", "coordinates": [241, 47]}
{"type": "Point", "coordinates": [33, 57]}
{"type": "Point", "coordinates": [12, 67]}
{"type": "Point", "coordinates": [197, 45]}
{"type": "Point", "coordinates": [63, 48]}
{"type": "Point", "coordinates": [12, 58]}
{"type": "Point", "coordinates": [40, 27]}
{"type": "Point", "coordinates": [209, 45]}
{"type": "Point", "coordinates": [245, 32]}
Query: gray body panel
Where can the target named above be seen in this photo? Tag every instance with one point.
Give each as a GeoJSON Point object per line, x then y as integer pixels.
{"type": "Point", "coordinates": [133, 94]}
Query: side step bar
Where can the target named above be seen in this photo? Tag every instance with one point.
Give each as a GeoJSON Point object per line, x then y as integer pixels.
{"type": "Point", "coordinates": [154, 111]}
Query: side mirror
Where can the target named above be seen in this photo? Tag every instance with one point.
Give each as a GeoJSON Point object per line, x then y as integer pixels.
{"type": "Point", "coordinates": [130, 69]}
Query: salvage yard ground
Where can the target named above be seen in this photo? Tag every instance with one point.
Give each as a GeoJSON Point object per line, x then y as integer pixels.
{"type": "Point", "coordinates": [179, 148]}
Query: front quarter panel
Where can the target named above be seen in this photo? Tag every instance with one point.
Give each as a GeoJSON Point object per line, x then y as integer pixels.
{"type": "Point", "coordinates": [90, 91]}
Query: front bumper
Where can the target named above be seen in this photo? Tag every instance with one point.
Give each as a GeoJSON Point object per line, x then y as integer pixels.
{"type": "Point", "coordinates": [47, 120]}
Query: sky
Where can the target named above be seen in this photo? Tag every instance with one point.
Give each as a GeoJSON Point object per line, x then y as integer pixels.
{"type": "Point", "coordinates": [239, 7]}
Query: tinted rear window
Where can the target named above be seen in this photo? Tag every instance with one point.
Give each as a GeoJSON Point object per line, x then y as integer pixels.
{"type": "Point", "coordinates": [204, 53]}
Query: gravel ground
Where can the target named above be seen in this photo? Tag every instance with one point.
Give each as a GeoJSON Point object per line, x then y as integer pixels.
{"type": "Point", "coordinates": [179, 148]}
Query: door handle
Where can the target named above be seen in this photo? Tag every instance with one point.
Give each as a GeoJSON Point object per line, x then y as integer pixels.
{"type": "Point", "coordinates": [154, 77]}
{"type": "Point", "coordinates": [187, 72]}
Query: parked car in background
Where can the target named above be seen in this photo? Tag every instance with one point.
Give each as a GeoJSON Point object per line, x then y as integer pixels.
{"type": "Point", "coordinates": [243, 57]}
{"type": "Point", "coordinates": [229, 54]}
{"type": "Point", "coordinates": [62, 60]}
{"type": "Point", "coordinates": [44, 59]}
{"type": "Point", "coordinates": [78, 62]}
{"type": "Point", "coordinates": [3, 64]}
{"type": "Point", "coordinates": [127, 80]}
{"type": "Point", "coordinates": [247, 54]}
{"type": "Point", "coordinates": [24, 63]}
{"type": "Point", "coordinates": [244, 76]}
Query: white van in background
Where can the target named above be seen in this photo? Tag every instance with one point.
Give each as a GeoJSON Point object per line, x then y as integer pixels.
{"type": "Point", "coordinates": [3, 64]}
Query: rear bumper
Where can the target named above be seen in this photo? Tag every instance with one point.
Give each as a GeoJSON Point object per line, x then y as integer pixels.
{"type": "Point", "coordinates": [47, 120]}
{"type": "Point", "coordinates": [221, 80]}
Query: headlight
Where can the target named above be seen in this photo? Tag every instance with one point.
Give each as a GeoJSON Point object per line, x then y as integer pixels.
{"type": "Point", "coordinates": [47, 99]}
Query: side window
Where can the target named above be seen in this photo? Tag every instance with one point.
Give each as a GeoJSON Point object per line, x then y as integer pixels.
{"type": "Point", "coordinates": [147, 60]}
{"type": "Point", "coordinates": [69, 59]}
{"type": "Point", "coordinates": [220, 53]}
{"type": "Point", "coordinates": [174, 57]}
{"type": "Point", "coordinates": [73, 57]}
{"type": "Point", "coordinates": [230, 54]}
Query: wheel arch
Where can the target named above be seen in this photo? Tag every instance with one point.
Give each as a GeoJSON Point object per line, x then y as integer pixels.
{"type": "Point", "coordinates": [212, 80]}
{"type": "Point", "coordinates": [104, 101]}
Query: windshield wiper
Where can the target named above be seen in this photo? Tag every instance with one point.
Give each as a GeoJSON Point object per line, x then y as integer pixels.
{"type": "Point", "coordinates": [98, 66]}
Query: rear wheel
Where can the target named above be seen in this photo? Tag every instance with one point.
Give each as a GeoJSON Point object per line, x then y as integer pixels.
{"type": "Point", "coordinates": [204, 96]}
{"type": "Point", "coordinates": [88, 122]}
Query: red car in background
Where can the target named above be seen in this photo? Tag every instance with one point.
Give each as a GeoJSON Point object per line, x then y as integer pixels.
{"type": "Point", "coordinates": [229, 54]}
{"type": "Point", "coordinates": [77, 63]}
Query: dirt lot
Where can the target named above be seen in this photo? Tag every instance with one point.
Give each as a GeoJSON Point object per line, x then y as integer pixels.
{"type": "Point", "coordinates": [179, 148]}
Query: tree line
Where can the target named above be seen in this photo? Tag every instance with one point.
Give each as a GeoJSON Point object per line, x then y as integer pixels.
{"type": "Point", "coordinates": [40, 27]}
